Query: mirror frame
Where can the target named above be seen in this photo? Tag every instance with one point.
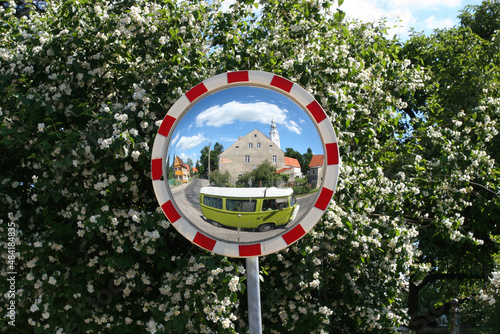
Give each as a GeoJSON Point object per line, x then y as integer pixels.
{"type": "Point", "coordinates": [255, 79]}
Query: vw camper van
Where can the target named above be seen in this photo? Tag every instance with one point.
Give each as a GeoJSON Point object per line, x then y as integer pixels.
{"type": "Point", "coordinates": [262, 209]}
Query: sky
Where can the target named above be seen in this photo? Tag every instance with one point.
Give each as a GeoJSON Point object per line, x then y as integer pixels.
{"type": "Point", "coordinates": [422, 15]}
{"type": "Point", "coordinates": [227, 114]}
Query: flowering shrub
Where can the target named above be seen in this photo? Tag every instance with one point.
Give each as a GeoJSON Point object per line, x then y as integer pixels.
{"type": "Point", "coordinates": [84, 87]}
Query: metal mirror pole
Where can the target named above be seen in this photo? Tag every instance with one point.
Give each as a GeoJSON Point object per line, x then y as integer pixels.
{"type": "Point", "coordinates": [253, 294]}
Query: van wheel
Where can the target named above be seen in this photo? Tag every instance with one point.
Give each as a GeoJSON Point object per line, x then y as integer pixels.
{"type": "Point", "coordinates": [266, 227]}
{"type": "Point", "coordinates": [214, 223]}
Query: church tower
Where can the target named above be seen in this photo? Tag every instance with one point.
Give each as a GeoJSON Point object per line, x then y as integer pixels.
{"type": "Point", "coordinates": [273, 134]}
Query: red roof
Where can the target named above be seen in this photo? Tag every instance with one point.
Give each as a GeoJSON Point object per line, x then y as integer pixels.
{"type": "Point", "coordinates": [282, 170]}
{"type": "Point", "coordinates": [180, 162]}
{"type": "Point", "coordinates": [317, 160]}
{"type": "Point", "coordinates": [292, 162]}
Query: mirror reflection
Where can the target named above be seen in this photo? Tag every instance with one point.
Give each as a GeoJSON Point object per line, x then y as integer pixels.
{"type": "Point", "coordinates": [244, 164]}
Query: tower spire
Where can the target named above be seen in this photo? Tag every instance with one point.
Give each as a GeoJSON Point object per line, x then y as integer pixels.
{"type": "Point", "coordinates": [274, 135]}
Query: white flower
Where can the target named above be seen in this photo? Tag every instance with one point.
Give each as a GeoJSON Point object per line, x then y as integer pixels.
{"type": "Point", "coordinates": [226, 323]}
{"type": "Point", "coordinates": [314, 284]}
{"type": "Point", "coordinates": [233, 284]}
{"type": "Point", "coordinates": [190, 280]}
{"type": "Point", "coordinates": [163, 40]}
{"type": "Point", "coordinates": [41, 126]}
{"type": "Point", "coordinates": [325, 310]}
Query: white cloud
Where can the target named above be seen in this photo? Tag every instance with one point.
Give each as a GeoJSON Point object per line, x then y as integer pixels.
{"type": "Point", "coordinates": [176, 138]}
{"type": "Point", "coordinates": [401, 15]}
{"type": "Point", "coordinates": [184, 157]}
{"type": "Point", "coordinates": [427, 3]}
{"type": "Point", "coordinates": [434, 23]}
{"type": "Point", "coordinates": [186, 143]}
{"type": "Point", "coordinates": [230, 140]}
{"type": "Point", "coordinates": [225, 4]}
{"type": "Point", "coordinates": [293, 127]}
{"type": "Point", "coordinates": [261, 112]}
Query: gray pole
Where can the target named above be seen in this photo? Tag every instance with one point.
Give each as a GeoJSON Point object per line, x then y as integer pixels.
{"type": "Point", "coordinates": [209, 144]}
{"type": "Point", "coordinates": [253, 294]}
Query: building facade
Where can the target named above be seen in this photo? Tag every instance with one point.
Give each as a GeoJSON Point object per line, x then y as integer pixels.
{"type": "Point", "coordinates": [249, 152]}
{"type": "Point", "coordinates": [292, 168]}
{"type": "Point", "coordinates": [181, 170]}
{"type": "Point", "coordinates": [316, 170]}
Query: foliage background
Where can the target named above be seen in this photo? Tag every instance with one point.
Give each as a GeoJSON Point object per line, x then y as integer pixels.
{"type": "Point", "coordinates": [84, 87]}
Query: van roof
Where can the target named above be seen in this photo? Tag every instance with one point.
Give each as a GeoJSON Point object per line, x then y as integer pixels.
{"type": "Point", "coordinates": [246, 192]}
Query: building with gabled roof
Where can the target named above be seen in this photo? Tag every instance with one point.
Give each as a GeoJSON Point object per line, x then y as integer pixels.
{"type": "Point", "coordinates": [181, 170]}
{"type": "Point", "coordinates": [316, 170]}
{"type": "Point", "coordinates": [248, 152]}
{"type": "Point", "coordinates": [292, 167]}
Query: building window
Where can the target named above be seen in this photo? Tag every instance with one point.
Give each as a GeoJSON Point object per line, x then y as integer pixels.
{"type": "Point", "coordinates": [240, 176]}
{"type": "Point", "coordinates": [250, 145]}
{"type": "Point", "coordinates": [247, 158]}
{"type": "Point", "coordinates": [258, 145]}
{"type": "Point", "coordinates": [275, 158]}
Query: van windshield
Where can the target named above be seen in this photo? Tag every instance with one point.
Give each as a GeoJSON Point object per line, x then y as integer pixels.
{"type": "Point", "coordinates": [240, 205]}
{"type": "Point", "coordinates": [274, 204]}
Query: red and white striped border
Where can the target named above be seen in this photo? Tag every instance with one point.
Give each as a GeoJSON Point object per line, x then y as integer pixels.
{"type": "Point", "coordinates": [226, 80]}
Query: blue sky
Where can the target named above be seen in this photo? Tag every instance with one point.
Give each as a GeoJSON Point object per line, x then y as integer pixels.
{"type": "Point", "coordinates": [422, 15]}
{"type": "Point", "coordinates": [227, 114]}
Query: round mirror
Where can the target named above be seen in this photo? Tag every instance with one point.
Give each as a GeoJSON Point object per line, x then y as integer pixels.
{"type": "Point", "coordinates": [245, 163]}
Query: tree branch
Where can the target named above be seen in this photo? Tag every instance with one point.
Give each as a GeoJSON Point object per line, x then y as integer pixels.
{"type": "Point", "coordinates": [447, 276]}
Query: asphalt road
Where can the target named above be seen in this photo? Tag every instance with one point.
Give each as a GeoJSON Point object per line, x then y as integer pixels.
{"type": "Point", "coordinates": [186, 198]}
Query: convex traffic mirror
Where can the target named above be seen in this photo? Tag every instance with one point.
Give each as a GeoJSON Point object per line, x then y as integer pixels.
{"type": "Point", "coordinates": [245, 163]}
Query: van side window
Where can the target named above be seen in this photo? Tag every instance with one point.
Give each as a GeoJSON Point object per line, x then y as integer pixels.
{"type": "Point", "coordinates": [240, 205]}
{"type": "Point", "coordinates": [212, 202]}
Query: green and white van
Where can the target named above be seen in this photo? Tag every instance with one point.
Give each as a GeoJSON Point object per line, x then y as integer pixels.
{"type": "Point", "coordinates": [248, 208]}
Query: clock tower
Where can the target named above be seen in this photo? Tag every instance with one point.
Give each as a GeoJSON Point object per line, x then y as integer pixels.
{"type": "Point", "coordinates": [274, 135]}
